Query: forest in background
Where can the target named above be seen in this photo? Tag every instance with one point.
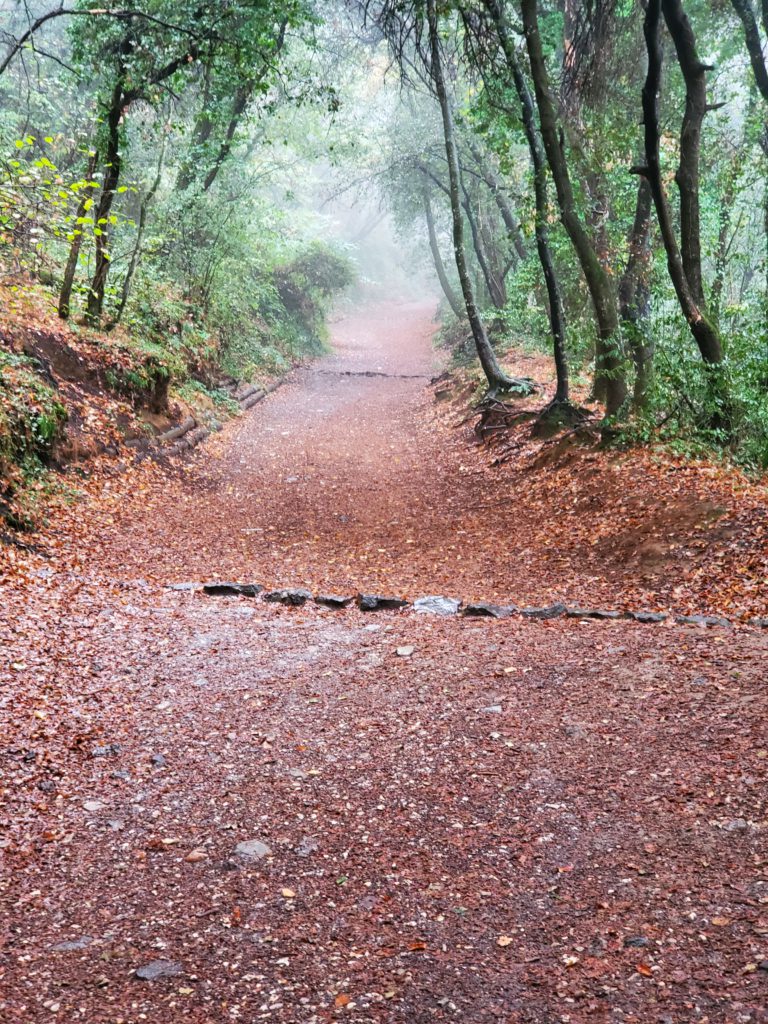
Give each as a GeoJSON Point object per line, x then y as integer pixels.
{"type": "Point", "coordinates": [587, 179]}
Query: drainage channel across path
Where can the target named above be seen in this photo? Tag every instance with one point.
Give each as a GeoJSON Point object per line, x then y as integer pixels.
{"type": "Point", "coordinates": [225, 809]}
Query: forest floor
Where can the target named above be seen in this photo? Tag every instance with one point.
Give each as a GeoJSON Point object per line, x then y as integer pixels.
{"type": "Point", "coordinates": [444, 819]}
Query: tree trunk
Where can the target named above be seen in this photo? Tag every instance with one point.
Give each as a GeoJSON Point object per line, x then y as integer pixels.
{"type": "Point", "coordinates": [609, 361]}
{"type": "Point", "coordinates": [112, 164]}
{"type": "Point", "coordinates": [136, 254]}
{"type": "Point", "coordinates": [754, 43]}
{"type": "Point", "coordinates": [703, 331]}
{"type": "Point", "coordinates": [724, 237]}
{"type": "Point", "coordinates": [201, 133]}
{"type": "Point", "coordinates": [538, 160]}
{"type": "Point", "coordinates": [496, 378]}
{"type": "Point", "coordinates": [635, 293]}
{"type": "Point", "coordinates": [70, 270]}
{"type": "Point", "coordinates": [496, 291]}
{"type": "Point", "coordinates": [437, 259]}
{"type": "Point", "coordinates": [687, 176]}
{"type": "Point", "coordinates": [497, 191]}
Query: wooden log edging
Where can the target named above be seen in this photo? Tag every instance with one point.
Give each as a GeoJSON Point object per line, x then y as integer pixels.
{"type": "Point", "coordinates": [298, 596]}
{"type": "Point", "coordinates": [178, 431]}
{"type": "Point", "coordinates": [189, 433]}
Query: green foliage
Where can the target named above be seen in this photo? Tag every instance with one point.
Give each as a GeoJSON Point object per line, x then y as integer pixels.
{"type": "Point", "coordinates": [31, 421]}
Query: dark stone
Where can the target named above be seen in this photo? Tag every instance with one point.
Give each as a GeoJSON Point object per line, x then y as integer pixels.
{"type": "Point", "coordinates": [159, 969]}
{"type": "Point", "coordinates": [122, 776]}
{"type": "Point", "coordinates": [636, 941]}
{"type": "Point", "coordinates": [307, 846]}
{"type": "Point", "coordinates": [435, 605]}
{"type": "Point", "coordinates": [333, 601]}
{"type": "Point", "coordinates": [591, 613]}
{"type": "Point", "coordinates": [760, 623]}
{"type": "Point", "coordinates": [227, 589]}
{"type": "Point", "coordinates": [647, 617]}
{"type": "Point", "coordinates": [295, 598]}
{"type": "Point", "coordinates": [377, 603]}
{"type": "Point", "coordinates": [159, 760]}
{"type": "Point", "coordinates": [485, 610]}
{"type": "Point", "coordinates": [110, 749]}
{"type": "Point", "coordinates": [550, 611]}
{"type": "Point", "coordinates": [71, 944]}
{"type": "Point", "coordinates": [701, 620]}
{"type": "Point", "coordinates": [763, 965]}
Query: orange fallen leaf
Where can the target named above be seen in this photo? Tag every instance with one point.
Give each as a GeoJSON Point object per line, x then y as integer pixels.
{"type": "Point", "coordinates": [342, 1000]}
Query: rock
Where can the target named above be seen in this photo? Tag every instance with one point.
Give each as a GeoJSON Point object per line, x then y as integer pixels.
{"type": "Point", "coordinates": [229, 589]}
{"type": "Point", "coordinates": [763, 965]}
{"type": "Point", "coordinates": [735, 825]}
{"type": "Point", "coordinates": [550, 611]}
{"type": "Point", "coordinates": [405, 652]}
{"type": "Point", "coordinates": [109, 749]}
{"type": "Point", "coordinates": [636, 941]}
{"type": "Point", "coordinates": [333, 601]}
{"type": "Point", "coordinates": [759, 622]}
{"type": "Point", "coordinates": [183, 587]}
{"type": "Point", "coordinates": [647, 617]}
{"type": "Point", "coordinates": [591, 613]}
{"type": "Point", "coordinates": [158, 760]}
{"type": "Point", "coordinates": [252, 850]}
{"type": "Point", "coordinates": [233, 588]}
{"type": "Point", "coordinates": [485, 610]}
{"type": "Point", "coordinates": [492, 709]}
{"type": "Point", "coordinates": [93, 805]}
{"type": "Point", "coordinates": [307, 846]}
{"type": "Point", "coordinates": [159, 969]}
{"type": "Point", "coordinates": [575, 731]}
{"type": "Point", "coordinates": [701, 620]}
{"type": "Point", "coordinates": [293, 597]}
{"type": "Point", "coordinates": [121, 776]}
{"type": "Point", "coordinates": [435, 605]}
{"type": "Point", "coordinates": [70, 944]}
{"type": "Point", "coordinates": [377, 603]}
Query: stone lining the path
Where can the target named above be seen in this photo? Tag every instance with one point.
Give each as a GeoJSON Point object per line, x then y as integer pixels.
{"type": "Point", "coordinates": [448, 606]}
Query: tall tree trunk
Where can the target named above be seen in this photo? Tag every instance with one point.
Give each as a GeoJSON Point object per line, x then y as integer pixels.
{"type": "Point", "coordinates": [704, 332]}
{"type": "Point", "coordinates": [242, 97]}
{"type": "Point", "coordinates": [495, 288]}
{"type": "Point", "coordinates": [70, 270]}
{"type": "Point", "coordinates": [609, 361]}
{"type": "Point", "coordinates": [136, 254]}
{"type": "Point", "coordinates": [495, 376]}
{"type": "Point", "coordinates": [201, 133]}
{"type": "Point", "coordinates": [496, 189]}
{"type": "Point", "coordinates": [687, 175]}
{"type": "Point", "coordinates": [112, 165]}
{"type": "Point", "coordinates": [538, 161]}
{"type": "Point", "coordinates": [635, 294]}
{"type": "Point", "coordinates": [437, 259]}
{"type": "Point", "coordinates": [724, 237]}
{"type": "Point", "coordinates": [746, 12]}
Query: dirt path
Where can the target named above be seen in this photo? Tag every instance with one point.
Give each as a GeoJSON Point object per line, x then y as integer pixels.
{"type": "Point", "coordinates": [513, 821]}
